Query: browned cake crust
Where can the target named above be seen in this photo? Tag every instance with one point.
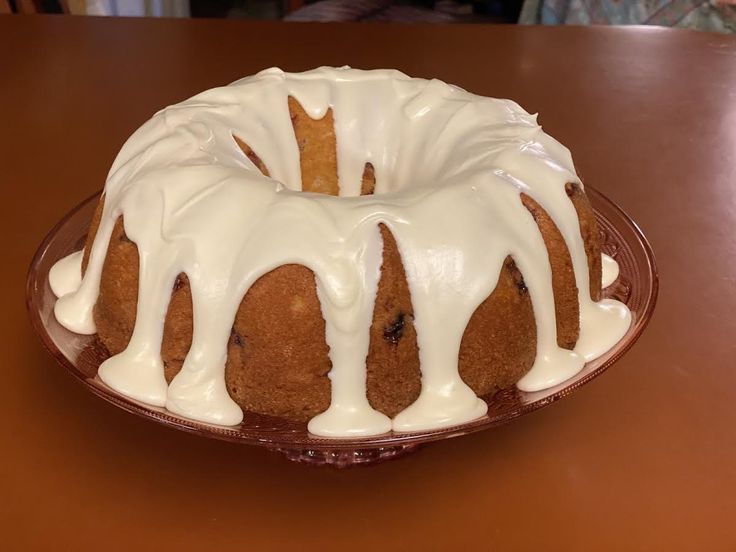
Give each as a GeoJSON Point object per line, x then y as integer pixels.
{"type": "Point", "coordinates": [277, 354]}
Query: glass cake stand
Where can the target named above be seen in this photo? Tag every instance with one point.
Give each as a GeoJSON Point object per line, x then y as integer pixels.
{"type": "Point", "coordinates": [80, 355]}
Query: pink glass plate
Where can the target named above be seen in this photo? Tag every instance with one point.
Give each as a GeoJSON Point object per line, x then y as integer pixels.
{"type": "Point", "coordinates": [81, 355]}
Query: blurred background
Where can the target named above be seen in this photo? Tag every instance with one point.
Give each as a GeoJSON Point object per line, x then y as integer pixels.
{"type": "Point", "coordinates": [706, 15]}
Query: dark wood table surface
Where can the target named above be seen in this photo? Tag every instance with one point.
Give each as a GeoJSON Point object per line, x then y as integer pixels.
{"type": "Point", "coordinates": [643, 458]}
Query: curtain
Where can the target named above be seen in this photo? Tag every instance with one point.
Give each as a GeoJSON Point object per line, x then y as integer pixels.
{"type": "Point", "coordinates": [151, 8]}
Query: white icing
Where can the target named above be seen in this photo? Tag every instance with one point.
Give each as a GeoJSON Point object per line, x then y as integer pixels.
{"type": "Point", "coordinates": [66, 274]}
{"type": "Point", "coordinates": [449, 169]}
{"type": "Point", "coordinates": [610, 270]}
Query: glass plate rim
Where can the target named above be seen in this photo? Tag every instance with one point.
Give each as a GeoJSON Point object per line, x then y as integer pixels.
{"type": "Point", "coordinates": [294, 441]}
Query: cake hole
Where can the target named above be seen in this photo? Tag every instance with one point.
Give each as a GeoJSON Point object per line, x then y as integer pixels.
{"type": "Point", "coordinates": [572, 189]}
{"type": "Point", "coordinates": [179, 282]}
{"type": "Point", "coordinates": [236, 338]}
{"type": "Point", "coordinates": [517, 276]}
{"type": "Point", "coordinates": [393, 332]}
{"type": "Point", "coordinates": [250, 154]}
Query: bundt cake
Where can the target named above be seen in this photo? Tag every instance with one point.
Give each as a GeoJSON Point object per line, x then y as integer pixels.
{"type": "Point", "coordinates": [361, 250]}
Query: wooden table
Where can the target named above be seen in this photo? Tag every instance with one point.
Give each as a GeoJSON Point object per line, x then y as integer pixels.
{"type": "Point", "coordinates": [644, 458]}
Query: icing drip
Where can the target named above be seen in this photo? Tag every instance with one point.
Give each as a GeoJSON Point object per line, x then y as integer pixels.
{"type": "Point", "coordinates": [66, 275]}
{"type": "Point", "coordinates": [449, 167]}
{"type": "Point", "coordinates": [610, 270]}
